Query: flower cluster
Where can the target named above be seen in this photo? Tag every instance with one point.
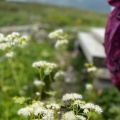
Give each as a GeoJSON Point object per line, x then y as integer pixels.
{"type": "Point", "coordinates": [39, 110]}
{"type": "Point", "coordinates": [81, 109]}
{"type": "Point", "coordinates": [38, 83]}
{"type": "Point", "coordinates": [9, 54]}
{"type": "Point", "coordinates": [91, 106]}
{"type": "Point", "coordinates": [56, 34]}
{"type": "Point", "coordinates": [71, 97]}
{"type": "Point", "coordinates": [60, 43]}
{"type": "Point", "coordinates": [46, 66]}
{"type": "Point", "coordinates": [89, 86]}
{"type": "Point", "coordinates": [75, 110]}
{"type": "Point", "coordinates": [53, 106]}
{"type": "Point", "coordinates": [11, 40]}
{"type": "Point", "coordinates": [69, 116]}
{"type": "Point", "coordinates": [60, 74]}
{"type": "Point", "coordinates": [87, 107]}
{"type": "Point", "coordinates": [90, 67]}
{"type": "Point", "coordinates": [60, 37]}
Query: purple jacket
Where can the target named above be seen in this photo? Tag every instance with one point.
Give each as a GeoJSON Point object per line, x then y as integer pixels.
{"type": "Point", "coordinates": [112, 42]}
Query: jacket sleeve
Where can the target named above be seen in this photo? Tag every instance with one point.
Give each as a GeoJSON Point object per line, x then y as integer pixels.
{"type": "Point", "coordinates": [115, 3]}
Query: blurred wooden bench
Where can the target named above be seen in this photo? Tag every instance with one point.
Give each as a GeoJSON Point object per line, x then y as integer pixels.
{"type": "Point", "coordinates": [91, 44]}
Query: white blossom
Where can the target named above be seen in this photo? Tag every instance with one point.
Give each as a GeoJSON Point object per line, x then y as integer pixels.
{"type": "Point", "coordinates": [72, 96]}
{"type": "Point", "coordinates": [98, 109]}
{"type": "Point", "coordinates": [37, 93]}
{"type": "Point", "coordinates": [12, 40]}
{"type": "Point", "coordinates": [89, 86]}
{"type": "Point", "coordinates": [47, 71]}
{"type": "Point", "coordinates": [25, 111]}
{"type": "Point", "coordinates": [15, 34]}
{"type": "Point", "coordinates": [91, 106]}
{"type": "Point", "coordinates": [60, 43]}
{"type": "Point", "coordinates": [39, 110]}
{"type": "Point", "coordinates": [59, 74]}
{"type": "Point", "coordinates": [38, 83]}
{"type": "Point", "coordinates": [37, 104]}
{"type": "Point", "coordinates": [80, 117]}
{"type": "Point", "coordinates": [91, 69]}
{"type": "Point", "coordinates": [86, 111]}
{"type": "Point", "coordinates": [4, 46]}
{"type": "Point", "coordinates": [48, 115]}
{"type": "Point", "coordinates": [79, 103]}
{"type": "Point", "coordinates": [10, 54]}
{"type": "Point", "coordinates": [53, 106]}
{"type": "Point", "coordinates": [46, 66]}
{"type": "Point", "coordinates": [56, 34]}
{"type": "Point", "coordinates": [1, 37]}
{"type": "Point", "coordinates": [69, 116]}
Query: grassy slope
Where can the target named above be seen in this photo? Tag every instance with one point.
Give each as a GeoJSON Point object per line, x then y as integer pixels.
{"type": "Point", "coordinates": [25, 13]}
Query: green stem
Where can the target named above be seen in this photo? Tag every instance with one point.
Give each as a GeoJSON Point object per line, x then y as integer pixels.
{"type": "Point", "coordinates": [14, 74]}
{"type": "Point", "coordinates": [2, 78]}
{"type": "Point", "coordinates": [41, 89]}
{"type": "Point", "coordinates": [50, 78]}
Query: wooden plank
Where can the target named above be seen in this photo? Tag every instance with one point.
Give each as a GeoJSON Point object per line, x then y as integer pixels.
{"type": "Point", "coordinates": [92, 49]}
{"type": "Point", "coordinates": [98, 33]}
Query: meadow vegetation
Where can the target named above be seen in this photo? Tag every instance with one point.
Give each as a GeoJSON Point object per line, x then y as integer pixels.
{"type": "Point", "coordinates": [18, 77]}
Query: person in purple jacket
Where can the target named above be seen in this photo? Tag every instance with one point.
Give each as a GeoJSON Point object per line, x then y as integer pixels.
{"type": "Point", "coordinates": [112, 42]}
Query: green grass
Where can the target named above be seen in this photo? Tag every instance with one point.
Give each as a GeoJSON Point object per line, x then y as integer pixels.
{"type": "Point", "coordinates": [22, 66]}
{"type": "Point", "coordinates": [27, 13]}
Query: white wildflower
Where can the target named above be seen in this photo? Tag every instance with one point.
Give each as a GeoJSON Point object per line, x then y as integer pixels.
{"type": "Point", "coordinates": [89, 86]}
{"type": "Point", "coordinates": [39, 110]}
{"type": "Point", "coordinates": [91, 106]}
{"type": "Point", "coordinates": [69, 116]}
{"type": "Point", "coordinates": [11, 40]}
{"type": "Point", "coordinates": [59, 75]}
{"type": "Point", "coordinates": [77, 102]}
{"type": "Point", "coordinates": [60, 43]}
{"type": "Point", "coordinates": [1, 37]}
{"type": "Point", "coordinates": [39, 64]}
{"type": "Point", "coordinates": [15, 34]}
{"type": "Point", "coordinates": [56, 34]}
{"type": "Point", "coordinates": [48, 115]}
{"type": "Point", "coordinates": [72, 96]}
{"type": "Point", "coordinates": [38, 83]}
{"type": "Point", "coordinates": [4, 46]}
{"type": "Point", "coordinates": [86, 111]}
{"type": "Point", "coordinates": [25, 111]}
{"type": "Point", "coordinates": [10, 54]}
{"type": "Point", "coordinates": [44, 64]}
{"type": "Point", "coordinates": [37, 93]}
{"type": "Point", "coordinates": [16, 41]}
{"type": "Point", "coordinates": [91, 69]}
{"type": "Point", "coordinates": [37, 104]}
{"type": "Point", "coordinates": [53, 106]}
{"type": "Point", "coordinates": [98, 109]}
{"type": "Point", "coordinates": [80, 117]}
{"type": "Point", "coordinates": [47, 71]}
